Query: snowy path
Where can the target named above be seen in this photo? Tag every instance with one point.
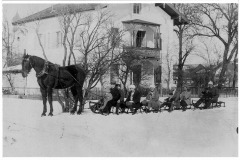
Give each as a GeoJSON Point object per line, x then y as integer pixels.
{"type": "Point", "coordinates": [192, 133]}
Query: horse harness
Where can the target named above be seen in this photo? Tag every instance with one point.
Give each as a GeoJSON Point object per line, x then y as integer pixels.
{"type": "Point", "coordinates": [45, 70]}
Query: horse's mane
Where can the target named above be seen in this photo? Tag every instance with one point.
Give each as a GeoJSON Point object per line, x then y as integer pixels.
{"type": "Point", "coordinates": [36, 57]}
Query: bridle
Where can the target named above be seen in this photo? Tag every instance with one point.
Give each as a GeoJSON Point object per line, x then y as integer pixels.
{"type": "Point", "coordinates": [28, 60]}
{"type": "Point", "coordinates": [43, 71]}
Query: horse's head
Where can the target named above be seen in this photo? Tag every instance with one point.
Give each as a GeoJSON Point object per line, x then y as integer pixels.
{"type": "Point", "coordinates": [26, 65]}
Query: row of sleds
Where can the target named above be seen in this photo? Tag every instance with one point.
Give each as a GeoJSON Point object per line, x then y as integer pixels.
{"type": "Point", "coordinates": [97, 107]}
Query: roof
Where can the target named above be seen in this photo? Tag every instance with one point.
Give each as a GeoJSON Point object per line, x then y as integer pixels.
{"type": "Point", "coordinates": [12, 69]}
{"type": "Point", "coordinates": [173, 12]}
{"type": "Point", "coordinates": [54, 11]}
{"type": "Point", "coordinates": [16, 17]}
{"type": "Point", "coordinates": [138, 21]}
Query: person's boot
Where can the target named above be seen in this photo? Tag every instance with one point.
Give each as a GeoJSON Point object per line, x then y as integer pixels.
{"type": "Point", "coordinates": [147, 110]}
{"type": "Point", "coordinates": [195, 105]}
{"type": "Point", "coordinates": [123, 111]}
{"type": "Point", "coordinates": [170, 108]}
{"type": "Point", "coordinates": [184, 109]}
{"type": "Point", "coordinates": [134, 111]}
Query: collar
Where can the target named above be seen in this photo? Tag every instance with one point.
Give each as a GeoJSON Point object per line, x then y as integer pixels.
{"type": "Point", "coordinates": [44, 70]}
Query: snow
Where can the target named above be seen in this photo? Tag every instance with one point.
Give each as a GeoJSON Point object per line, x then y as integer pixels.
{"type": "Point", "coordinates": [196, 133]}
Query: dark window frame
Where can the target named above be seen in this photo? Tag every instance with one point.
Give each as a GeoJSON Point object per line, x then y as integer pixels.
{"type": "Point", "coordinates": [137, 8]}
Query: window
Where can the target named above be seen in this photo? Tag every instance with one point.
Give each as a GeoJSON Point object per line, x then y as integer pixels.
{"type": "Point", "coordinates": [115, 37]}
{"type": "Point", "coordinates": [58, 39]}
{"type": "Point", "coordinates": [139, 38]}
{"type": "Point", "coordinates": [136, 8]}
{"type": "Point", "coordinates": [49, 40]}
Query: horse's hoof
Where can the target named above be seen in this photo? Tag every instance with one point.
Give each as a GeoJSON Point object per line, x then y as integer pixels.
{"type": "Point", "coordinates": [44, 114]}
{"type": "Point", "coordinates": [50, 114]}
{"type": "Point", "coordinates": [79, 113]}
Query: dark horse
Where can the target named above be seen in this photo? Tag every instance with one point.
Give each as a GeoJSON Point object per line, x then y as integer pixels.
{"type": "Point", "coordinates": [50, 76]}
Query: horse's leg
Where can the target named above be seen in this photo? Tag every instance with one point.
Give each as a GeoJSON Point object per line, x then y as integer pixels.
{"type": "Point", "coordinates": [44, 98]}
{"type": "Point", "coordinates": [75, 96]}
{"type": "Point", "coordinates": [80, 96]}
{"type": "Point", "coordinates": [49, 91]}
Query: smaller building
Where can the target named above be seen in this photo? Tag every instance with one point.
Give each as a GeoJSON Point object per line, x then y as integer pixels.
{"type": "Point", "coordinates": [198, 75]}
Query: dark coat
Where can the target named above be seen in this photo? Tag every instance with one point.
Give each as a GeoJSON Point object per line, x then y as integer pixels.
{"type": "Point", "coordinates": [116, 95]}
{"type": "Point", "coordinates": [212, 93]}
{"type": "Point", "coordinates": [122, 95]}
{"type": "Point", "coordinates": [136, 96]}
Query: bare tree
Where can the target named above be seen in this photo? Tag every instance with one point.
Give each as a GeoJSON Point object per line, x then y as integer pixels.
{"type": "Point", "coordinates": [125, 70]}
{"type": "Point", "coordinates": [8, 43]}
{"type": "Point", "coordinates": [9, 53]}
{"type": "Point", "coordinates": [99, 46]}
{"type": "Point", "coordinates": [186, 45]}
{"type": "Point", "coordinates": [210, 52]}
{"type": "Point", "coordinates": [235, 69]}
{"type": "Point", "coordinates": [37, 23]}
{"type": "Point", "coordinates": [168, 69]}
{"type": "Point", "coordinates": [69, 21]}
{"type": "Point", "coordinates": [219, 21]}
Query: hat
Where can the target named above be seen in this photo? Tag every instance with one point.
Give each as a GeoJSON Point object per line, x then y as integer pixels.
{"type": "Point", "coordinates": [132, 86]}
{"type": "Point", "coordinates": [210, 82]}
{"type": "Point", "coordinates": [152, 86]}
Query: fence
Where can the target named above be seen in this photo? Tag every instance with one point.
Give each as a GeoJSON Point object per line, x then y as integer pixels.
{"type": "Point", "coordinates": [223, 92]}
{"type": "Point", "coordinates": [96, 93]}
{"type": "Point", "coordinates": [34, 93]}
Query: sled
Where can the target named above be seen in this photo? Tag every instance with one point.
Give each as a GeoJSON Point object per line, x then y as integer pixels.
{"type": "Point", "coordinates": [95, 106]}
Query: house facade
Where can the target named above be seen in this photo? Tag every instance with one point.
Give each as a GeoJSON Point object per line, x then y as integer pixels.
{"type": "Point", "coordinates": [149, 30]}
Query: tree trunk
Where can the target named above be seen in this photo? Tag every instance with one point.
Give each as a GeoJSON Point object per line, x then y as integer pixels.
{"type": "Point", "coordinates": [9, 77]}
{"type": "Point", "coordinates": [180, 64]}
{"type": "Point", "coordinates": [225, 63]}
{"type": "Point", "coordinates": [235, 70]}
{"type": "Point", "coordinates": [222, 77]}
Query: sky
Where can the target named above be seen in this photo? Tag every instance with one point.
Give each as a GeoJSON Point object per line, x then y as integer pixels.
{"type": "Point", "coordinates": [10, 10]}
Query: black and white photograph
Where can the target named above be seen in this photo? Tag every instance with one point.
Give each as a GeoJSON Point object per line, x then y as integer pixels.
{"type": "Point", "coordinates": [119, 79]}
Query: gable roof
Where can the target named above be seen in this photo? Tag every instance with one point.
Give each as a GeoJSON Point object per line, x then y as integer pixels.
{"type": "Point", "coordinates": [58, 8]}
{"type": "Point", "coordinates": [138, 21]}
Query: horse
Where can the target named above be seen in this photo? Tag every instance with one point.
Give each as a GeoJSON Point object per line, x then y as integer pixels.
{"type": "Point", "coordinates": [51, 76]}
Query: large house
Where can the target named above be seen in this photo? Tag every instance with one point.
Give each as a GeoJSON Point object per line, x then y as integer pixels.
{"type": "Point", "coordinates": [150, 29]}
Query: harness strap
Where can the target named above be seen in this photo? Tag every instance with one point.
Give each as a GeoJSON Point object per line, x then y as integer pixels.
{"type": "Point", "coordinates": [44, 70]}
{"type": "Point", "coordinates": [57, 77]}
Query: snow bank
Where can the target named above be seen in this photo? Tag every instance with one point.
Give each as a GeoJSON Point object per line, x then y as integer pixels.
{"type": "Point", "coordinates": [192, 133]}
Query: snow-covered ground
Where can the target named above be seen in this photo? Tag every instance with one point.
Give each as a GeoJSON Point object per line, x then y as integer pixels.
{"type": "Point", "coordinates": [196, 133]}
